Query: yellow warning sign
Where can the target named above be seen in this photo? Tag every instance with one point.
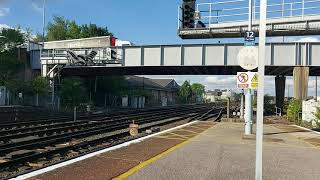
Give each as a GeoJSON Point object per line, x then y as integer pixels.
{"type": "Point", "coordinates": [254, 81]}
{"type": "Point", "coordinates": [254, 78]}
{"type": "Point", "coordinates": [254, 86]}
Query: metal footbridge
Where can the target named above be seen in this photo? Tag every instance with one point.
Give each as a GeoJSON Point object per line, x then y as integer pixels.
{"type": "Point", "coordinates": [229, 18]}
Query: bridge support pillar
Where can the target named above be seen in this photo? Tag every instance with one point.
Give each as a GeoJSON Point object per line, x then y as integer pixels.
{"type": "Point", "coordinates": [300, 82]}
{"type": "Point", "coordinates": [280, 82]}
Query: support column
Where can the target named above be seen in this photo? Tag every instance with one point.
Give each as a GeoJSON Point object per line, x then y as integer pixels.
{"type": "Point", "coordinates": [248, 113]}
{"type": "Point", "coordinates": [280, 82]}
{"type": "Point", "coordinates": [300, 82]}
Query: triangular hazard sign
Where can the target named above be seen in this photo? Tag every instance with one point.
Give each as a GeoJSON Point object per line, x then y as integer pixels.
{"type": "Point", "coordinates": [255, 79]}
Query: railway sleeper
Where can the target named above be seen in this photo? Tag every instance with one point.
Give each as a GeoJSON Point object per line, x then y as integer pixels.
{"type": "Point", "coordinates": [78, 137]}
{"type": "Point", "coordinates": [77, 147]}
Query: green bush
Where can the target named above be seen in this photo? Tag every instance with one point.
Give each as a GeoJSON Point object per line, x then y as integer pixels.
{"type": "Point", "coordinates": [317, 120]}
{"type": "Point", "coordinates": [294, 108]}
{"type": "Point", "coordinates": [73, 92]}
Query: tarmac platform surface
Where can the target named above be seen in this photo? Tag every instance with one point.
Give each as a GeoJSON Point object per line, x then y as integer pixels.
{"type": "Point", "coordinates": [222, 153]}
{"type": "Point", "coordinates": [205, 150]}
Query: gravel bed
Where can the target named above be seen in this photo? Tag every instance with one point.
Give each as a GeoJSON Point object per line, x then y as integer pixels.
{"type": "Point", "coordinates": [168, 123]}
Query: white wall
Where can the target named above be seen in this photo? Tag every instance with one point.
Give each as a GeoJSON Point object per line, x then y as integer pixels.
{"type": "Point", "coordinates": [308, 110]}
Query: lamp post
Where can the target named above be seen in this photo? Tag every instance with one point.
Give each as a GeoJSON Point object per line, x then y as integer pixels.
{"type": "Point", "coordinates": [261, 71]}
{"type": "Point", "coordinates": [43, 20]}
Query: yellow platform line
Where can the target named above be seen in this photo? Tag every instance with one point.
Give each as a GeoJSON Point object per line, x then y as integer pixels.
{"type": "Point", "coordinates": [149, 161]}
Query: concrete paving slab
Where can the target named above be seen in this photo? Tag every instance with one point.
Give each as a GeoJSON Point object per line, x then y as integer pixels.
{"type": "Point", "coordinates": [221, 153]}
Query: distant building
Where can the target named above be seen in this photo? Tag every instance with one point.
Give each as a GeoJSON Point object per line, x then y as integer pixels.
{"type": "Point", "coordinates": [29, 56]}
{"type": "Point", "coordinates": [157, 91]}
{"type": "Point", "coordinates": [218, 95]}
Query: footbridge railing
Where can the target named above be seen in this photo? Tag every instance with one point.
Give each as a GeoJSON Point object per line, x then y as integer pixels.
{"type": "Point", "coordinates": [229, 18]}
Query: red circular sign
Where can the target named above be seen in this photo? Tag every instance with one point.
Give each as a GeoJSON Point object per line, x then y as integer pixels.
{"type": "Point", "coordinates": [243, 77]}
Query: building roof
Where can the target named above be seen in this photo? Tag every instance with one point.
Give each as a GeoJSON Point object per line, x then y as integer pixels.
{"type": "Point", "coordinates": [160, 84]}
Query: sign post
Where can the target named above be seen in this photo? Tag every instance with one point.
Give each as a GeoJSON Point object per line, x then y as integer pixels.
{"type": "Point", "coordinates": [248, 60]}
{"type": "Point", "coordinates": [247, 80]}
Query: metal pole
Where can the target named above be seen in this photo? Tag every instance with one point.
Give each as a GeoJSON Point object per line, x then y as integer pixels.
{"type": "Point", "coordinates": [288, 91]}
{"type": "Point", "coordinates": [316, 88]}
{"type": "Point", "coordinates": [261, 69]}
{"type": "Point", "coordinates": [250, 15]}
{"type": "Point", "coordinates": [248, 113]}
{"type": "Point", "coordinates": [248, 96]}
{"type": "Point", "coordinates": [254, 9]}
{"type": "Point", "coordinates": [210, 14]}
{"type": "Point", "coordinates": [302, 13]}
{"type": "Point", "coordinates": [74, 113]}
{"type": "Point", "coordinates": [43, 20]}
{"type": "Point", "coordinates": [52, 93]}
{"type": "Point", "coordinates": [228, 107]}
{"type": "Point", "coordinates": [179, 8]}
{"type": "Point", "coordinates": [242, 103]}
{"type": "Point", "coordinates": [283, 3]}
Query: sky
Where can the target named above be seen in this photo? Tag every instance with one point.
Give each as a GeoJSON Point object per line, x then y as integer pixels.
{"type": "Point", "coordinates": [142, 22]}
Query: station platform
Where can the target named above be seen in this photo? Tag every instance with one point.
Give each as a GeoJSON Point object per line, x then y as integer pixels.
{"type": "Point", "coordinates": [205, 150]}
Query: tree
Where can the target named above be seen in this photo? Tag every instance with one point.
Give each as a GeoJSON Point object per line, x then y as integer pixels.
{"type": "Point", "coordinates": [198, 89]}
{"type": "Point", "coordinates": [58, 29]}
{"type": "Point", "coordinates": [39, 87]}
{"type": "Point", "coordinates": [11, 38]}
{"type": "Point", "coordinates": [73, 92]}
{"type": "Point", "coordinates": [74, 31]}
{"type": "Point", "coordinates": [108, 87]}
{"type": "Point", "coordinates": [185, 92]}
{"type": "Point", "coordinates": [62, 29]}
{"type": "Point", "coordinates": [40, 38]}
{"type": "Point", "coordinates": [9, 65]}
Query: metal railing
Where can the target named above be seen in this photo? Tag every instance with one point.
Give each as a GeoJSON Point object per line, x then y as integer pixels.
{"type": "Point", "coordinates": [60, 56]}
{"type": "Point", "coordinates": [278, 111]}
{"type": "Point", "coordinates": [238, 10]}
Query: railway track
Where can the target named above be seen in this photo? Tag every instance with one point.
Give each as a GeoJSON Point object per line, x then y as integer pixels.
{"type": "Point", "coordinates": [24, 148]}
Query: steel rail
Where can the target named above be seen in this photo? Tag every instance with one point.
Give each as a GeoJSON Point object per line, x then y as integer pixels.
{"type": "Point", "coordinates": [77, 147]}
{"type": "Point", "coordinates": [73, 126]}
{"type": "Point", "coordinates": [59, 138]}
{"type": "Point", "coordinates": [53, 120]}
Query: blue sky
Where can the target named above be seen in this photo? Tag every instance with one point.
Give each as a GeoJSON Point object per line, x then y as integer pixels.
{"type": "Point", "coordinates": [139, 21]}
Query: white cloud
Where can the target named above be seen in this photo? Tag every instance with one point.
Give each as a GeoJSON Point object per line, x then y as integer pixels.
{"type": "Point", "coordinates": [4, 11]}
{"type": "Point", "coordinates": [37, 5]}
{"type": "Point", "coordinates": [229, 82]}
